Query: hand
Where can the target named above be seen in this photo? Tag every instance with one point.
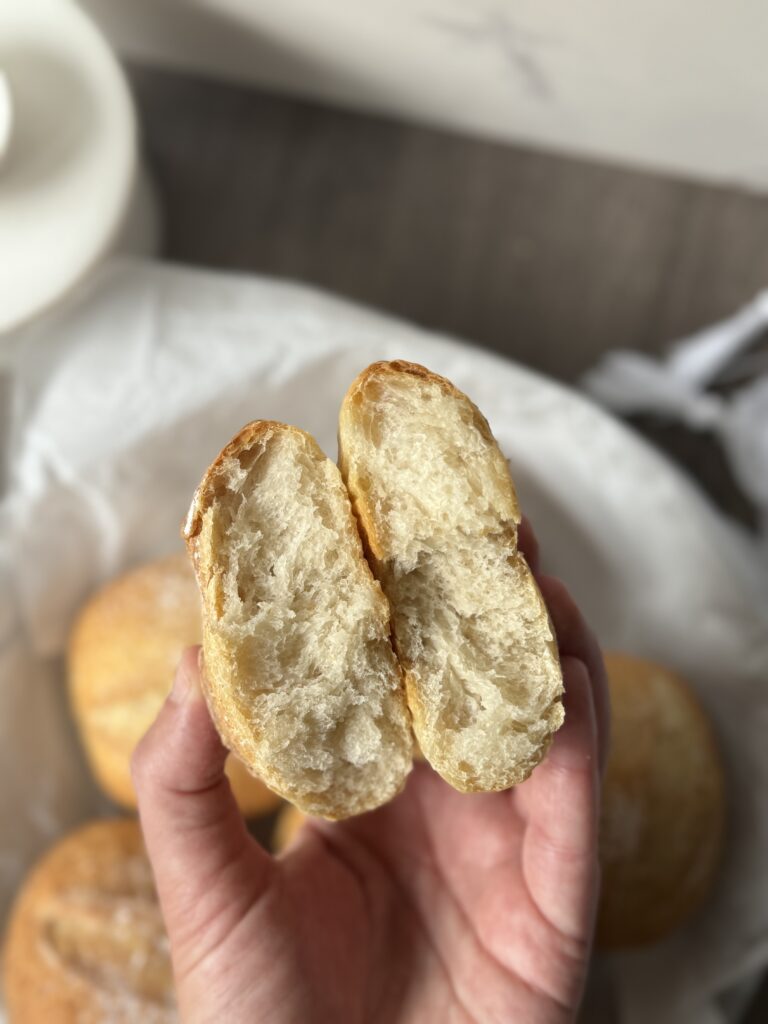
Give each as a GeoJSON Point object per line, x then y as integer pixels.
{"type": "Point", "coordinates": [437, 907]}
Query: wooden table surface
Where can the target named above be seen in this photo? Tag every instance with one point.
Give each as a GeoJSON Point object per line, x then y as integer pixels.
{"type": "Point", "coordinates": [549, 260]}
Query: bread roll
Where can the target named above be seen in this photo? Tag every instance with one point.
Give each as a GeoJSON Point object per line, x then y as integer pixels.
{"type": "Point", "coordinates": [663, 810]}
{"type": "Point", "coordinates": [288, 822]}
{"type": "Point", "coordinates": [438, 513]}
{"type": "Point", "coordinates": [122, 657]}
{"type": "Point", "coordinates": [86, 943]}
{"type": "Point", "coordinates": [300, 674]}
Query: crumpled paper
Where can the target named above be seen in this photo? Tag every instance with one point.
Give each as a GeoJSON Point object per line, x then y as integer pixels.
{"type": "Point", "coordinates": [112, 408]}
{"type": "Point", "coordinates": [676, 387]}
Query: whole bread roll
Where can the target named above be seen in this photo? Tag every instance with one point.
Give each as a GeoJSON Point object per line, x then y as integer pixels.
{"type": "Point", "coordinates": [123, 654]}
{"type": "Point", "coordinates": [300, 675]}
{"type": "Point", "coordinates": [438, 513]}
{"type": "Point", "coordinates": [86, 943]}
{"type": "Point", "coordinates": [663, 814]}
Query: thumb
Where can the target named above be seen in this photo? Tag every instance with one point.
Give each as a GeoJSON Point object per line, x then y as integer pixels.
{"type": "Point", "coordinates": [208, 870]}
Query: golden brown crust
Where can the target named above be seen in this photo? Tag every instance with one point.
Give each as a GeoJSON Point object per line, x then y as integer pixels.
{"type": "Point", "coordinates": [86, 943]}
{"type": "Point", "coordinates": [241, 442]}
{"type": "Point", "coordinates": [122, 656]}
{"type": "Point", "coordinates": [663, 818]}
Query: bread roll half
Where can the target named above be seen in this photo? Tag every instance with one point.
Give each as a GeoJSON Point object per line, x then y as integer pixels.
{"type": "Point", "coordinates": [300, 674]}
{"type": "Point", "coordinates": [438, 513]}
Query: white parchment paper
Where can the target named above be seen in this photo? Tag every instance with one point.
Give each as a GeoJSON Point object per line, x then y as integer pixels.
{"type": "Point", "coordinates": [112, 409]}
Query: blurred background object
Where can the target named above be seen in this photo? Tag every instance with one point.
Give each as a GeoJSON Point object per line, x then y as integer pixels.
{"type": "Point", "coordinates": [70, 179]}
{"type": "Point", "coordinates": [289, 821]}
{"type": "Point", "coordinates": [6, 116]}
{"type": "Point", "coordinates": [663, 817]}
{"type": "Point", "coordinates": [122, 656]}
{"type": "Point", "coordinates": [713, 384]}
{"type": "Point", "coordinates": [86, 941]}
{"type": "Point", "coordinates": [680, 89]}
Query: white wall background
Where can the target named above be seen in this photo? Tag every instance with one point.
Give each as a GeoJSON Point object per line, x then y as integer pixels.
{"type": "Point", "coordinates": [678, 85]}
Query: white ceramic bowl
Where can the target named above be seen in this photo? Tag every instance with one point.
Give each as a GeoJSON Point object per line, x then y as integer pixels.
{"type": "Point", "coordinates": [68, 172]}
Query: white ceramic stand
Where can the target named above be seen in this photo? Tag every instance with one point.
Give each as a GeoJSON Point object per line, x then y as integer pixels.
{"type": "Point", "coordinates": [71, 188]}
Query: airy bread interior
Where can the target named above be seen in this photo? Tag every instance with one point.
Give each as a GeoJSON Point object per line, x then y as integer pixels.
{"type": "Point", "coordinates": [302, 678]}
{"type": "Point", "coordinates": [438, 512]}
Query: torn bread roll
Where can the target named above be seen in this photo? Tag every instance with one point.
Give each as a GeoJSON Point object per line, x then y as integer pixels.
{"type": "Point", "coordinates": [300, 675]}
{"type": "Point", "coordinates": [438, 513]}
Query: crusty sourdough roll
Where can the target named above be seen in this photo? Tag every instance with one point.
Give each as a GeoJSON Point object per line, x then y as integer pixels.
{"type": "Point", "coordinates": [123, 653]}
{"type": "Point", "coordinates": [300, 675]}
{"type": "Point", "coordinates": [438, 512]}
{"type": "Point", "coordinates": [663, 813]}
{"type": "Point", "coordinates": [86, 942]}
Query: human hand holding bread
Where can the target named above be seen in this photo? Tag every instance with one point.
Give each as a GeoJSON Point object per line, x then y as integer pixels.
{"type": "Point", "coordinates": [434, 903]}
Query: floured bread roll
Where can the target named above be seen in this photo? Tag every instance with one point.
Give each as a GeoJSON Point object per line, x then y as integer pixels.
{"type": "Point", "coordinates": [123, 653]}
{"type": "Point", "coordinates": [663, 813]}
{"type": "Point", "coordinates": [438, 513]}
{"type": "Point", "coordinates": [86, 943]}
{"type": "Point", "coordinates": [300, 674]}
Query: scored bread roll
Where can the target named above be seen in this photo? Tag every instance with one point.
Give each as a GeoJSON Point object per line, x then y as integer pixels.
{"type": "Point", "coordinates": [300, 675]}
{"type": "Point", "coordinates": [663, 813]}
{"type": "Point", "coordinates": [86, 942]}
{"type": "Point", "coordinates": [438, 513]}
{"type": "Point", "coordinates": [123, 654]}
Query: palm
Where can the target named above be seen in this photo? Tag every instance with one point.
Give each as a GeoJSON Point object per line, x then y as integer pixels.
{"type": "Point", "coordinates": [431, 908]}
